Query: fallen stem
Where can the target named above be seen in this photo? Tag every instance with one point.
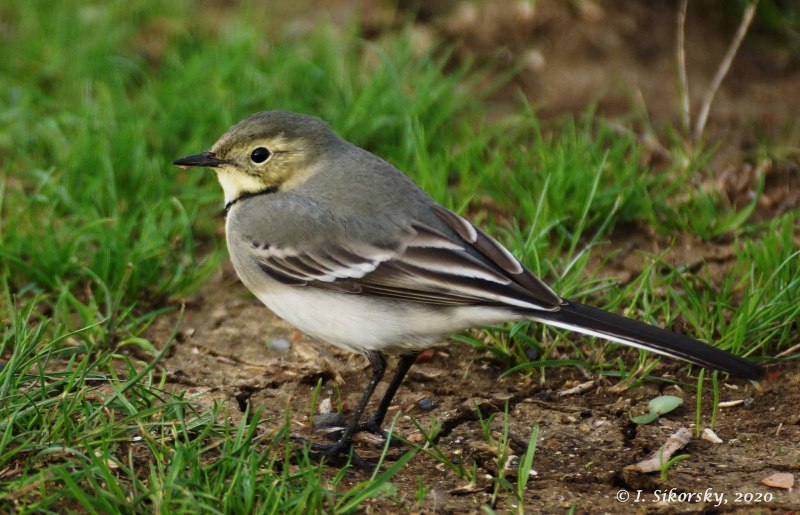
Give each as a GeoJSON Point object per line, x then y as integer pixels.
{"type": "Point", "coordinates": [658, 459]}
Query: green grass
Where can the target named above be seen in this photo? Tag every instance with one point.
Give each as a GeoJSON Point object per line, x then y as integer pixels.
{"type": "Point", "coordinates": [99, 236]}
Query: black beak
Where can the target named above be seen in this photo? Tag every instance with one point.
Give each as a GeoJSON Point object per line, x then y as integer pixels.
{"type": "Point", "coordinates": [203, 159]}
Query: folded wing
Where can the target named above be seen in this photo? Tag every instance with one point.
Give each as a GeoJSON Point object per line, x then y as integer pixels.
{"type": "Point", "coordinates": [423, 265]}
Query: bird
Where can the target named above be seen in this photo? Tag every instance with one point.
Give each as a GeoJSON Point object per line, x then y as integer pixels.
{"type": "Point", "coordinates": [348, 249]}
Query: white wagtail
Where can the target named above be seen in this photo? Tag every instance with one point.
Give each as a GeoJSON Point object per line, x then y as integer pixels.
{"type": "Point", "coordinates": [348, 249]}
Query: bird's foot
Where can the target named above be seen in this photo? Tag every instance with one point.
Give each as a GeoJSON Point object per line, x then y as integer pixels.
{"type": "Point", "coordinates": [335, 450]}
{"type": "Point", "coordinates": [335, 425]}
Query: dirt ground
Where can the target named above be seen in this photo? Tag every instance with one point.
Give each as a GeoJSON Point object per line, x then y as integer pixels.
{"type": "Point", "coordinates": [619, 56]}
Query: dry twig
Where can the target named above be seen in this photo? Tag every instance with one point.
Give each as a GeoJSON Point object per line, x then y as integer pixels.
{"type": "Point", "coordinates": [686, 116]}
{"type": "Point", "coordinates": [722, 71]}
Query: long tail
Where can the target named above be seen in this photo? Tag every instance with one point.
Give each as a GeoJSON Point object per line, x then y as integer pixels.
{"type": "Point", "coordinates": [602, 324]}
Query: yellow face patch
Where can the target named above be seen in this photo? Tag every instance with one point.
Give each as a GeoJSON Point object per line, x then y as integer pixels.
{"type": "Point", "coordinates": [287, 166]}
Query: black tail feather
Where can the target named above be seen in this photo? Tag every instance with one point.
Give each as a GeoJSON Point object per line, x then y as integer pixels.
{"type": "Point", "coordinates": [596, 322]}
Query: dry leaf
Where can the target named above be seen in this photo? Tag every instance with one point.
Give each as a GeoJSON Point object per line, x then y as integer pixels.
{"type": "Point", "coordinates": [783, 480]}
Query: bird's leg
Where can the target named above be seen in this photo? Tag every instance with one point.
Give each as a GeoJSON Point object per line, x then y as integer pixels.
{"type": "Point", "coordinates": [373, 424]}
{"type": "Point", "coordinates": [378, 363]}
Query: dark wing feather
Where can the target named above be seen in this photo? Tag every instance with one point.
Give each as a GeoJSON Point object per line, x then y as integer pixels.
{"type": "Point", "coordinates": [500, 257]}
{"type": "Point", "coordinates": [427, 266]}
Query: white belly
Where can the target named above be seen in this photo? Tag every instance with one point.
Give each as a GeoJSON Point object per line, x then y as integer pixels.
{"type": "Point", "coordinates": [359, 324]}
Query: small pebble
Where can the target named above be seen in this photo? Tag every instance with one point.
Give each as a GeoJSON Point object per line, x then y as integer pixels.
{"type": "Point", "coordinates": [532, 354]}
{"type": "Point", "coordinates": [512, 463]}
{"type": "Point", "coordinates": [425, 404]}
{"type": "Point", "coordinates": [279, 344]}
{"type": "Point", "coordinates": [326, 406]}
{"type": "Point", "coordinates": [711, 436]}
{"type": "Point", "coordinates": [425, 356]}
{"type": "Point", "coordinates": [416, 438]}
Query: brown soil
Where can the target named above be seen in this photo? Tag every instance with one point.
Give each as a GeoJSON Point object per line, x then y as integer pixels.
{"type": "Point", "coordinates": [620, 56]}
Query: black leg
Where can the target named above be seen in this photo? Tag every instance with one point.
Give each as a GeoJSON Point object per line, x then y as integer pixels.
{"type": "Point", "coordinates": [378, 363]}
{"type": "Point", "coordinates": [374, 423]}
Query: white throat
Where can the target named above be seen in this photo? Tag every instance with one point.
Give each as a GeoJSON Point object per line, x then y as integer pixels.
{"type": "Point", "coordinates": [234, 184]}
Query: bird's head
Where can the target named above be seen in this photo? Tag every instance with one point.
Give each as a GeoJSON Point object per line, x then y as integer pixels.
{"type": "Point", "coordinates": [272, 150]}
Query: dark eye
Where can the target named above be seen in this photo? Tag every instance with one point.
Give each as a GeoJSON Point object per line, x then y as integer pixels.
{"type": "Point", "coordinates": [260, 155]}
